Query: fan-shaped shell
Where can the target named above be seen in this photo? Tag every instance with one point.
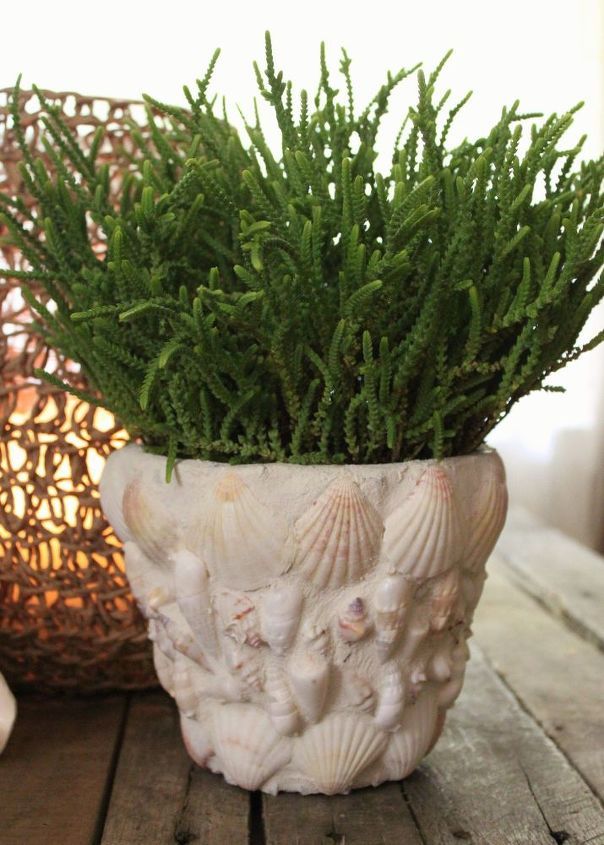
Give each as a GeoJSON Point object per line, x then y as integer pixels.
{"type": "Point", "coordinates": [148, 522]}
{"type": "Point", "coordinates": [424, 535]}
{"type": "Point", "coordinates": [243, 543]}
{"type": "Point", "coordinates": [339, 536]}
{"type": "Point", "coordinates": [485, 522]}
{"type": "Point", "coordinates": [410, 743]}
{"type": "Point", "coordinates": [335, 752]}
{"type": "Point", "coordinates": [248, 748]}
{"type": "Point", "coordinates": [191, 586]}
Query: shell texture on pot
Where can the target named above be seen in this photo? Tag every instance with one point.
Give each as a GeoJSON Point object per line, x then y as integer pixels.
{"type": "Point", "coordinates": [424, 535]}
{"type": "Point", "coordinates": [410, 742]}
{"type": "Point", "coordinates": [239, 617]}
{"type": "Point", "coordinates": [309, 679]}
{"type": "Point", "coordinates": [281, 609]}
{"type": "Point", "coordinates": [243, 543]}
{"type": "Point", "coordinates": [485, 522]}
{"type": "Point", "coordinates": [248, 748]}
{"type": "Point", "coordinates": [181, 639]}
{"type": "Point", "coordinates": [334, 752]}
{"type": "Point", "coordinates": [338, 537]}
{"type": "Point", "coordinates": [391, 701]}
{"type": "Point", "coordinates": [151, 586]}
{"type": "Point", "coordinates": [316, 637]}
{"type": "Point", "coordinates": [192, 590]}
{"type": "Point", "coordinates": [148, 522]}
{"type": "Point", "coordinates": [445, 594]}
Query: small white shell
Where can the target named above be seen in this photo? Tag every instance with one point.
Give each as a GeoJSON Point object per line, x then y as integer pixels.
{"type": "Point", "coordinates": [335, 752]}
{"type": "Point", "coordinates": [281, 705]}
{"type": "Point", "coordinates": [391, 602]}
{"type": "Point", "coordinates": [243, 543]}
{"type": "Point", "coordinates": [193, 598]}
{"type": "Point", "coordinates": [424, 536]}
{"type": "Point", "coordinates": [248, 749]}
{"type": "Point", "coordinates": [410, 743]}
{"type": "Point", "coordinates": [339, 536]}
{"type": "Point", "coordinates": [444, 599]}
{"type": "Point", "coordinates": [486, 521]}
{"type": "Point", "coordinates": [281, 608]}
{"type": "Point", "coordinates": [145, 517]}
{"type": "Point", "coordinates": [353, 623]}
{"type": "Point", "coordinates": [391, 701]}
{"type": "Point", "coordinates": [239, 618]}
{"type": "Point", "coordinates": [182, 640]}
{"type": "Point", "coordinates": [309, 678]}
{"type": "Point", "coordinates": [316, 637]}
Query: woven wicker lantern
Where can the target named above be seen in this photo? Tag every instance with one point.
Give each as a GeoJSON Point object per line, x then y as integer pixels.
{"type": "Point", "coordinates": [67, 619]}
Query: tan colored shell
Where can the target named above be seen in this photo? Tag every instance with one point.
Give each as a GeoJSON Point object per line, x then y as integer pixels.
{"type": "Point", "coordinates": [424, 535]}
{"type": "Point", "coordinates": [339, 536]}
{"type": "Point", "coordinates": [485, 522]}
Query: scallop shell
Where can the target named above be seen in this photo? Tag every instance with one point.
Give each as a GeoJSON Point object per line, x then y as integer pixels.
{"type": "Point", "coordinates": [444, 599]}
{"type": "Point", "coordinates": [391, 701]}
{"type": "Point", "coordinates": [335, 752]}
{"type": "Point", "coordinates": [309, 678]}
{"type": "Point", "coordinates": [238, 615]}
{"type": "Point", "coordinates": [244, 544]}
{"type": "Point", "coordinates": [281, 705]}
{"type": "Point", "coordinates": [410, 743]}
{"type": "Point", "coordinates": [248, 749]}
{"type": "Point", "coordinates": [147, 522]}
{"type": "Point", "coordinates": [281, 608]}
{"type": "Point", "coordinates": [191, 586]}
{"type": "Point", "coordinates": [150, 585]}
{"type": "Point", "coordinates": [485, 522]}
{"type": "Point", "coordinates": [391, 602]}
{"type": "Point", "coordinates": [339, 536]}
{"type": "Point", "coordinates": [424, 536]}
{"type": "Point", "coordinates": [353, 623]}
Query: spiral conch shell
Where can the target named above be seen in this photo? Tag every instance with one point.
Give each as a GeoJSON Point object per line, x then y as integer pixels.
{"type": "Point", "coordinates": [248, 748]}
{"type": "Point", "coordinates": [353, 623]}
{"type": "Point", "coordinates": [244, 544]}
{"type": "Point", "coordinates": [339, 536]}
{"type": "Point", "coordinates": [334, 752]}
{"type": "Point", "coordinates": [281, 705]}
{"type": "Point", "coordinates": [391, 602]}
{"type": "Point", "coordinates": [486, 522]}
{"type": "Point", "coordinates": [193, 598]}
{"type": "Point", "coordinates": [424, 536]}
{"type": "Point", "coordinates": [281, 610]}
{"type": "Point", "coordinates": [309, 679]}
{"type": "Point", "coordinates": [391, 701]}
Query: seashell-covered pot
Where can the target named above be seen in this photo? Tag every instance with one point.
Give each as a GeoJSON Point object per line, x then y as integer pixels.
{"type": "Point", "coordinates": [309, 621]}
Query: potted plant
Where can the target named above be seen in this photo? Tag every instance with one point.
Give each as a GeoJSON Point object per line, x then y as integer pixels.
{"type": "Point", "coordinates": [309, 355]}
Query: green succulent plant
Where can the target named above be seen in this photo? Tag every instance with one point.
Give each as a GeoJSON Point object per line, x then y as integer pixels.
{"type": "Point", "coordinates": [300, 305]}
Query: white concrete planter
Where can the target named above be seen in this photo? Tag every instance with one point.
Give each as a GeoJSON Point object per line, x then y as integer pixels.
{"type": "Point", "coordinates": [310, 622]}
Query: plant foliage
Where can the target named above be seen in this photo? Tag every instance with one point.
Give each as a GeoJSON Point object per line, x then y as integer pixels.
{"type": "Point", "coordinates": [302, 306]}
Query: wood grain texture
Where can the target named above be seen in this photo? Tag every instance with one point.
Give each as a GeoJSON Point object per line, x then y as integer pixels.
{"type": "Point", "coordinates": [558, 677]}
{"type": "Point", "coordinates": [365, 817]}
{"type": "Point", "coordinates": [495, 779]}
{"type": "Point", "coordinates": [56, 769]}
{"type": "Point", "coordinates": [159, 796]}
{"type": "Point", "coordinates": [565, 576]}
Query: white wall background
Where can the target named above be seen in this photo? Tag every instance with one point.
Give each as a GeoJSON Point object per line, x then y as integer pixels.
{"type": "Point", "coordinates": [547, 53]}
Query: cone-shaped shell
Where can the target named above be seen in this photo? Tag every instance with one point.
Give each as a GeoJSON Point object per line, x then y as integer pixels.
{"type": "Point", "coordinates": [242, 542]}
{"type": "Point", "coordinates": [485, 522]}
{"type": "Point", "coordinates": [424, 535]}
{"type": "Point", "coordinates": [410, 743]}
{"type": "Point", "coordinates": [281, 705]}
{"type": "Point", "coordinates": [281, 608]}
{"type": "Point", "coordinates": [391, 701]}
{"type": "Point", "coordinates": [248, 748]}
{"type": "Point", "coordinates": [336, 751]}
{"type": "Point", "coordinates": [151, 585]}
{"type": "Point", "coordinates": [309, 678]}
{"type": "Point", "coordinates": [392, 599]}
{"type": "Point", "coordinates": [444, 598]}
{"type": "Point", "coordinates": [147, 522]}
{"type": "Point", "coordinates": [191, 586]}
{"type": "Point", "coordinates": [339, 536]}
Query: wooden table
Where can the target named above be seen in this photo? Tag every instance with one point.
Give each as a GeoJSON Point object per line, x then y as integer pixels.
{"type": "Point", "coordinates": [521, 759]}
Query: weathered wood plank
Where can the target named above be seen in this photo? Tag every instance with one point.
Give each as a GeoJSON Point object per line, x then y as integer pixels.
{"type": "Point", "coordinates": [558, 677]}
{"type": "Point", "coordinates": [495, 779]}
{"type": "Point", "coordinates": [564, 575]}
{"type": "Point", "coordinates": [56, 769]}
{"type": "Point", "coordinates": [365, 817]}
{"type": "Point", "coordinates": [159, 796]}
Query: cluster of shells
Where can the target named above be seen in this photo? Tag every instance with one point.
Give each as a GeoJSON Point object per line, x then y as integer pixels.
{"type": "Point", "coordinates": [313, 647]}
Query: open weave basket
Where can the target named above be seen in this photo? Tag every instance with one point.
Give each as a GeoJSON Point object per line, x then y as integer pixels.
{"type": "Point", "coordinates": [67, 618]}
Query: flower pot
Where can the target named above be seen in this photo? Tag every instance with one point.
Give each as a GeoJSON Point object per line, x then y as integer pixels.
{"type": "Point", "coordinates": [310, 621]}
